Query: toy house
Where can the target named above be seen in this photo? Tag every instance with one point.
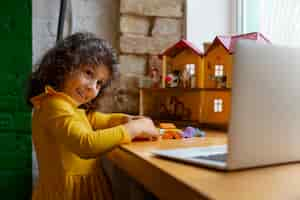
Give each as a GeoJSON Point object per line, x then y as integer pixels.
{"type": "Point", "coordinates": [181, 57]}
{"type": "Point", "coordinates": [217, 70]}
{"type": "Point", "coordinates": [189, 102]}
{"type": "Point", "coordinates": [205, 99]}
{"type": "Point", "coordinates": [218, 59]}
{"type": "Point", "coordinates": [184, 102]}
{"type": "Point", "coordinates": [178, 98]}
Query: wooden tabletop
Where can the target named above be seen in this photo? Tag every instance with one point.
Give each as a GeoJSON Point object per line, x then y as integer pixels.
{"type": "Point", "coordinates": [174, 180]}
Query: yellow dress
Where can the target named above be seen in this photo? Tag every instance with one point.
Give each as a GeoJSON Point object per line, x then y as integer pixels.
{"type": "Point", "coordinates": [68, 144]}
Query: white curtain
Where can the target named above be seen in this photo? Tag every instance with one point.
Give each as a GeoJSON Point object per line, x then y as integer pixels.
{"type": "Point", "coordinates": [280, 21]}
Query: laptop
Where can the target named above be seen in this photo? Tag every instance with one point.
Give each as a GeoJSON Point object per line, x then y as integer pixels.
{"type": "Point", "coordinates": [264, 125]}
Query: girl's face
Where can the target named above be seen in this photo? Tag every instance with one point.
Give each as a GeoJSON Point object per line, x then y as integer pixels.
{"type": "Point", "coordinates": [84, 84]}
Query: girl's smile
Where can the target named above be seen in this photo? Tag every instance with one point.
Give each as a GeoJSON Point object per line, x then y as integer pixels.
{"type": "Point", "coordinates": [84, 84]}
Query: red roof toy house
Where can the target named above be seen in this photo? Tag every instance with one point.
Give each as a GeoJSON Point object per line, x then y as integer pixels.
{"type": "Point", "coordinates": [218, 58]}
{"type": "Point", "coordinates": [209, 76]}
{"type": "Point", "coordinates": [207, 105]}
{"type": "Point", "coordinates": [185, 58]}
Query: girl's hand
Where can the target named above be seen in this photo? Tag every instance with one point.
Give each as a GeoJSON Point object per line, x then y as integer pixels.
{"type": "Point", "coordinates": [142, 127]}
{"type": "Point", "coordinates": [124, 119]}
{"type": "Point", "coordinates": [128, 118]}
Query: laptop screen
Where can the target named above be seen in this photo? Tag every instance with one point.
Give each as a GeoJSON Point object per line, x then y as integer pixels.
{"type": "Point", "coordinates": [265, 112]}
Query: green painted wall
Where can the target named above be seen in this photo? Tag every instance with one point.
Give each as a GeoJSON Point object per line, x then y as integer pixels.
{"type": "Point", "coordinates": [15, 116]}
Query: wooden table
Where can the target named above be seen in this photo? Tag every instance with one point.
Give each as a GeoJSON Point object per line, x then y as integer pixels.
{"type": "Point", "coordinates": [174, 180]}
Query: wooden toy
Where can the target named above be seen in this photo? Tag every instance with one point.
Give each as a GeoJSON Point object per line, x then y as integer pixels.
{"type": "Point", "coordinates": [169, 131]}
{"type": "Point", "coordinates": [203, 93]}
{"type": "Point", "coordinates": [167, 125]}
{"type": "Point", "coordinates": [168, 134]}
{"type": "Point", "coordinates": [179, 57]}
{"type": "Point", "coordinates": [218, 58]}
{"type": "Point", "coordinates": [185, 79]}
{"type": "Point", "coordinates": [155, 77]}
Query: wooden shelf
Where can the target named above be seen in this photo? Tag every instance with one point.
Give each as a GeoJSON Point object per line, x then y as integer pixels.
{"type": "Point", "coordinates": [187, 105]}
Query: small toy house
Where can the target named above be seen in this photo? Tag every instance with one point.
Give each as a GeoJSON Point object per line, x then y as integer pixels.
{"type": "Point", "coordinates": [181, 57]}
{"type": "Point", "coordinates": [207, 101]}
{"type": "Point", "coordinates": [208, 105]}
{"type": "Point", "coordinates": [218, 59]}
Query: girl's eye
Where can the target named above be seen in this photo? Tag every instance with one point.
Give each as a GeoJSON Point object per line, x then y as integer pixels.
{"type": "Point", "coordinates": [89, 73]}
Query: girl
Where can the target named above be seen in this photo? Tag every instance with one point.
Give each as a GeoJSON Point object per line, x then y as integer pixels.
{"type": "Point", "coordinates": [67, 132]}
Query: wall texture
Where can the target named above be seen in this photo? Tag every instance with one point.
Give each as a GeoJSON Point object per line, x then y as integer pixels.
{"type": "Point", "coordinates": [146, 28]}
{"type": "Point", "coordinates": [15, 116]}
{"type": "Point", "coordinates": [98, 16]}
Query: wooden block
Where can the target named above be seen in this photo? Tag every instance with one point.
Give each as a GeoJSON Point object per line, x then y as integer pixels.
{"type": "Point", "coordinates": [167, 125]}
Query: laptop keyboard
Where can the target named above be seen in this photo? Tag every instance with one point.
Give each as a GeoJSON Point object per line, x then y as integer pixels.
{"type": "Point", "coordinates": [216, 157]}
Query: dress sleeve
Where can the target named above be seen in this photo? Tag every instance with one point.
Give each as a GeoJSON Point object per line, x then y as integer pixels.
{"type": "Point", "coordinates": [68, 127]}
{"type": "Point", "coordinates": [100, 120]}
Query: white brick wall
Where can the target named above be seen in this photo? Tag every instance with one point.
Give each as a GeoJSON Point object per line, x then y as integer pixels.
{"type": "Point", "coordinates": [167, 27]}
{"type": "Point", "coordinates": [147, 28]}
{"type": "Point", "coordinates": [162, 8]}
{"type": "Point", "coordinates": [135, 25]}
{"type": "Point", "coordinates": [132, 64]}
{"type": "Point", "coordinates": [99, 17]}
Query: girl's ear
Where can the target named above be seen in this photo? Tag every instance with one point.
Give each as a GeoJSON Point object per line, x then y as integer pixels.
{"type": "Point", "coordinates": [105, 85]}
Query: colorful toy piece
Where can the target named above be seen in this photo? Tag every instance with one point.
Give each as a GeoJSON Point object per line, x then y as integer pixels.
{"type": "Point", "coordinates": [172, 79]}
{"type": "Point", "coordinates": [167, 126]}
{"type": "Point", "coordinates": [169, 131]}
{"type": "Point", "coordinates": [171, 135]}
{"type": "Point", "coordinates": [189, 132]}
{"type": "Point", "coordinates": [199, 133]}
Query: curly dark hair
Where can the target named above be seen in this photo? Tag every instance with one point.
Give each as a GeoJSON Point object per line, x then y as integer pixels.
{"type": "Point", "coordinates": [65, 57]}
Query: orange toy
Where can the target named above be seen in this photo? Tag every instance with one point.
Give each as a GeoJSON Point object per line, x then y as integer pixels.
{"type": "Point", "coordinates": [171, 135]}
{"type": "Point", "coordinates": [167, 126]}
{"type": "Point", "coordinates": [170, 131]}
